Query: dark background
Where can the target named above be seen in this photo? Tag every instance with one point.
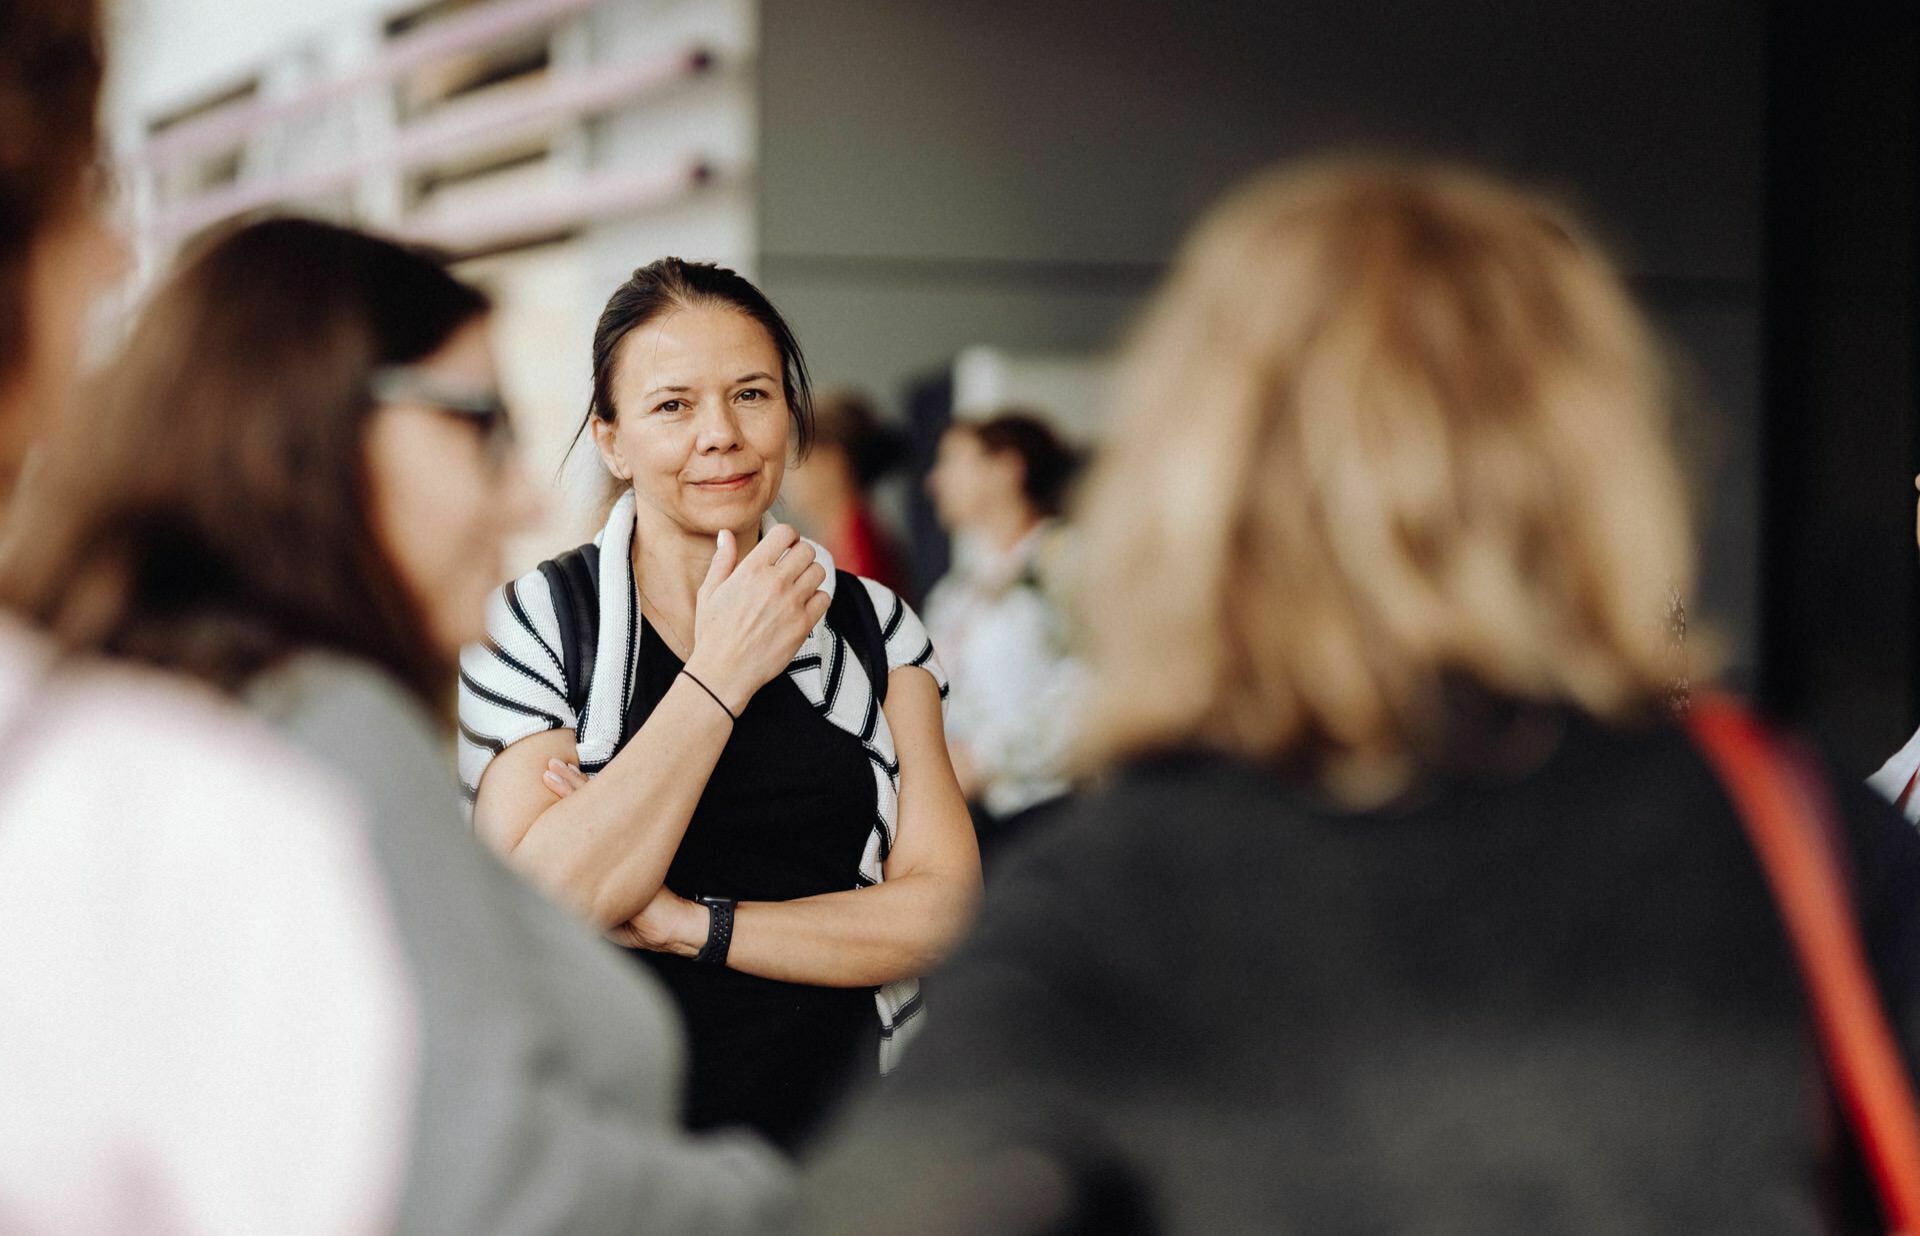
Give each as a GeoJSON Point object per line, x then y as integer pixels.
{"type": "Point", "coordinates": [937, 175]}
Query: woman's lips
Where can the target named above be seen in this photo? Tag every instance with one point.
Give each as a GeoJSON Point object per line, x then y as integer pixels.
{"type": "Point", "coordinates": [726, 484]}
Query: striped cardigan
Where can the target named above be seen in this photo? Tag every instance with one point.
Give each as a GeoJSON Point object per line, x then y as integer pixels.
{"type": "Point", "coordinates": [514, 686]}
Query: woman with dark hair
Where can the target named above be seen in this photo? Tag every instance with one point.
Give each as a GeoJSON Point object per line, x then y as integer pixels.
{"type": "Point", "coordinates": [828, 490]}
{"type": "Point", "coordinates": [302, 500]}
{"type": "Point", "coordinates": [699, 706]}
{"type": "Point", "coordinates": [999, 486]}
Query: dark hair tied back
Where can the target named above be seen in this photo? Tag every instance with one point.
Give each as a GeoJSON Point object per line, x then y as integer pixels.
{"type": "Point", "coordinates": [672, 283]}
{"type": "Point", "coordinates": [1048, 464]}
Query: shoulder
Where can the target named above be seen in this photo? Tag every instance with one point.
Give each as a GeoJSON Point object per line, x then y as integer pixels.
{"type": "Point", "coordinates": [1152, 823]}
{"type": "Point", "coordinates": [521, 666]}
{"type": "Point", "coordinates": [351, 716]}
{"type": "Point", "coordinates": [161, 774]}
{"type": "Point", "coordinates": [901, 630]}
{"type": "Point", "coordinates": [513, 684]}
{"type": "Point", "coordinates": [524, 611]}
{"type": "Point", "coordinates": [187, 816]}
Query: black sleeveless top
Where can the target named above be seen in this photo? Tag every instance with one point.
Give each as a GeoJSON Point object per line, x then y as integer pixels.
{"type": "Point", "coordinates": [786, 814]}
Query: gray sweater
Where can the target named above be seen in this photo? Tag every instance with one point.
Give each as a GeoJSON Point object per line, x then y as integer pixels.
{"type": "Point", "coordinates": [548, 1068]}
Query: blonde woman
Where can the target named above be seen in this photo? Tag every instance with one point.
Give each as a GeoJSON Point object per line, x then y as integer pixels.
{"type": "Point", "coordinates": [1406, 907]}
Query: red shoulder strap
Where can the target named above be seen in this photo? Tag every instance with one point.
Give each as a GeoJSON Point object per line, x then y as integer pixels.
{"type": "Point", "coordinates": [1790, 823]}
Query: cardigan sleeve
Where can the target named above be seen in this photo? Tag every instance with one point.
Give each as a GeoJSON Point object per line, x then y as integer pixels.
{"type": "Point", "coordinates": [905, 635]}
{"type": "Point", "coordinates": [513, 683]}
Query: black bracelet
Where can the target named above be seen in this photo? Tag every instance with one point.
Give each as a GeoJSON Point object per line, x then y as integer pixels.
{"type": "Point", "coordinates": [731, 716]}
{"type": "Point", "coordinates": [719, 928]}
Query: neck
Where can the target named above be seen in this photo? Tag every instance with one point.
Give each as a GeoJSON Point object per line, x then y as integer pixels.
{"type": "Point", "coordinates": [669, 562]}
{"type": "Point", "coordinates": [1005, 526]}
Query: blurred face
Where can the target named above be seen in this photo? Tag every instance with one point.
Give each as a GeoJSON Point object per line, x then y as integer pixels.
{"type": "Point", "coordinates": [815, 487]}
{"type": "Point", "coordinates": [445, 486]}
{"type": "Point", "coordinates": [701, 422]}
{"type": "Point", "coordinates": [968, 482]}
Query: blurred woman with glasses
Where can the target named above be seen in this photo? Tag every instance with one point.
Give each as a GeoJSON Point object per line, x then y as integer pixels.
{"type": "Point", "coordinates": [301, 499]}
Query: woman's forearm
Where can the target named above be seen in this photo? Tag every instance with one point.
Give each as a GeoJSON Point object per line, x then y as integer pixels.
{"type": "Point", "coordinates": [859, 938]}
{"type": "Point", "coordinates": [604, 849]}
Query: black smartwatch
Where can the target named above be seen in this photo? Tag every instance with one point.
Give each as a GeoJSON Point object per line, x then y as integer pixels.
{"type": "Point", "coordinates": [719, 930]}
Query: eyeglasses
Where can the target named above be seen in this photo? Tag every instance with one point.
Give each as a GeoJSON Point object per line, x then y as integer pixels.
{"type": "Point", "coordinates": [484, 410]}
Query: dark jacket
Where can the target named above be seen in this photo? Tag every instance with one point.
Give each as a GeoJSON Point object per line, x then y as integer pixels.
{"type": "Point", "coordinates": [1555, 998]}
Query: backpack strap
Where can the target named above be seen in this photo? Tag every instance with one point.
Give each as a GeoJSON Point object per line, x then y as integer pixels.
{"type": "Point", "coordinates": [574, 580]}
{"type": "Point", "coordinates": [1791, 825]}
{"type": "Point", "coordinates": [853, 618]}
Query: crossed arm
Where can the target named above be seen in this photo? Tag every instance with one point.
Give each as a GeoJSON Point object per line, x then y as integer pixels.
{"type": "Point", "coordinates": [603, 846]}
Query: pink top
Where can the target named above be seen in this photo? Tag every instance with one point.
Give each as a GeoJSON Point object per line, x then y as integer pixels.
{"type": "Point", "coordinates": [204, 1022]}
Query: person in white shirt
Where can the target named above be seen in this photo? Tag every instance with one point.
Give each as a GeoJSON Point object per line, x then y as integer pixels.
{"type": "Point", "coordinates": [998, 486]}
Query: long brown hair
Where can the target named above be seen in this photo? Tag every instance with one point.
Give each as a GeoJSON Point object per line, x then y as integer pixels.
{"type": "Point", "coordinates": [208, 510]}
{"type": "Point", "coordinates": [1385, 425]}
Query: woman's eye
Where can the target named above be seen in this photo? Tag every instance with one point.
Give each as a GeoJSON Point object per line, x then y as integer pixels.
{"type": "Point", "coordinates": [670, 405]}
{"type": "Point", "coordinates": [751, 394]}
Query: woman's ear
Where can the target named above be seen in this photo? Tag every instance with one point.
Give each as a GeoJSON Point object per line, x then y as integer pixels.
{"type": "Point", "coordinates": [607, 442]}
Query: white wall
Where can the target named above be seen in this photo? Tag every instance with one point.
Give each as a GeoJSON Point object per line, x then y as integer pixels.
{"type": "Point", "coordinates": [169, 52]}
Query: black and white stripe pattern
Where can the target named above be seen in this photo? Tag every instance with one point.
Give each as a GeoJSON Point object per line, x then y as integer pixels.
{"type": "Point", "coordinates": [513, 686]}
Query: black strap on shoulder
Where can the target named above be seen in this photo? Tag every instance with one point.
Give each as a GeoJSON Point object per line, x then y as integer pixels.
{"type": "Point", "coordinates": [852, 616]}
{"type": "Point", "coordinates": [574, 580]}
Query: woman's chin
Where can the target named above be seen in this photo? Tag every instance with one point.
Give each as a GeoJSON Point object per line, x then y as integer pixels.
{"type": "Point", "coordinates": [731, 511]}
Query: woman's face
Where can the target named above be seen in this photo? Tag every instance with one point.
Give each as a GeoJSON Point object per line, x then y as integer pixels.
{"type": "Point", "coordinates": [967, 481]}
{"type": "Point", "coordinates": [701, 421]}
{"type": "Point", "coordinates": [445, 493]}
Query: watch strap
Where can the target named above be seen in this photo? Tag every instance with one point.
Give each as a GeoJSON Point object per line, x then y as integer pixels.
{"type": "Point", "coordinates": [719, 931]}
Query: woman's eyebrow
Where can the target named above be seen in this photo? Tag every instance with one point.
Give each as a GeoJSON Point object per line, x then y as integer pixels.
{"type": "Point", "coordinates": [677, 390]}
{"type": "Point", "coordinates": [757, 376]}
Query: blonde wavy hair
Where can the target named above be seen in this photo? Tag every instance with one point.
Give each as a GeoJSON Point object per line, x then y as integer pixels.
{"type": "Point", "coordinates": [1385, 425]}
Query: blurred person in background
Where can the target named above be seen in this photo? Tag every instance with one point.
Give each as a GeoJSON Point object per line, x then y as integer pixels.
{"type": "Point", "coordinates": [204, 1026]}
{"type": "Point", "coordinates": [829, 491]}
{"type": "Point", "coordinates": [711, 742]}
{"type": "Point", "coordinates": [998, 486]}
{"type": "Point", "coordinates": [1407, 905]}
{"type": "Point", "coordinates": [302, 500]}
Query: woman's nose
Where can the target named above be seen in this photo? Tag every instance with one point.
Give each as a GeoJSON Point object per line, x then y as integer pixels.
{"type": "Point", "coordinates": [719, 429]}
